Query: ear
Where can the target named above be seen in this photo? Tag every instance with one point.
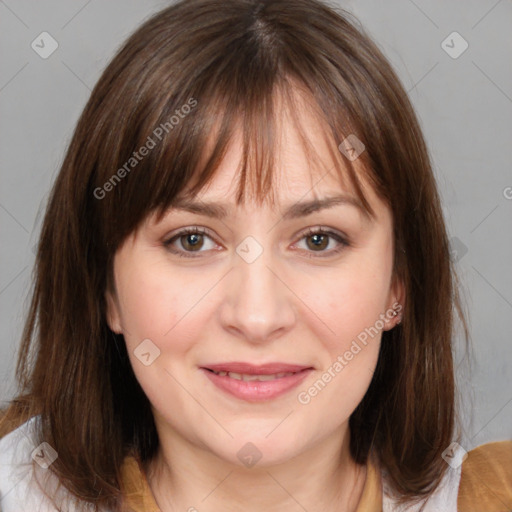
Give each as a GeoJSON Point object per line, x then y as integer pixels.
{"type": "Point", "coordinates": [395, 304]}
{"type": "Point", "coordinates": [113, 313]}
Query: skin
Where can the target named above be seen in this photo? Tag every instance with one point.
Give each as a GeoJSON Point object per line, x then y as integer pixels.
{"type": "Point", "coordinates": [290, 305]}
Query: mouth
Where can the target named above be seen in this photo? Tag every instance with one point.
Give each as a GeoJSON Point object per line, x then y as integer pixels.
{"type": "Point", "coordinates": [256, 383]}
{"type": "Point", "coordinates": [249, 377]}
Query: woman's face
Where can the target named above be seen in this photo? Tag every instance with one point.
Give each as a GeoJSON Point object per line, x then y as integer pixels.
{"type": "Point", "coordinates": [257, 288]}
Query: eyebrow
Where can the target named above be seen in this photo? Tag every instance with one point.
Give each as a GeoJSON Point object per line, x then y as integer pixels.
{"type": "Point", "coordinates": [294, 211]}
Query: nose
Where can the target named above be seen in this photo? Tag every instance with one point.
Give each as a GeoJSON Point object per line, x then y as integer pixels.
{"type": "Point", "coordinates": [258, 305]}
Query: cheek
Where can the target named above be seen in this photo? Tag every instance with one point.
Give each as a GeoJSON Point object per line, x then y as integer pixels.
{"type": "Point", "coordinates": [350, 302]}
{"type": "Point", "coordinates": [358, 308]}
{"type": "Point", "coordinates": [165, 308]}
{"type": "Point", "coordinates": [149, 305]}
{"type": "Point", "coordinates": [348, 359]}
{"type": "Point", "coordinates": [158, 304]}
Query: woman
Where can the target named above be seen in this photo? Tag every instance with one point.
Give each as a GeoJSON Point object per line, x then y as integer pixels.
{"type": "Point", "coordinates": [243, 295]}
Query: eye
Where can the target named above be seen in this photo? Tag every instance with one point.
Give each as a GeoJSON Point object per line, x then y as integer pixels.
{"type": "Point", "coordinates": [318, 239]}
{"type": "Point", "coordinates": [190, 239]}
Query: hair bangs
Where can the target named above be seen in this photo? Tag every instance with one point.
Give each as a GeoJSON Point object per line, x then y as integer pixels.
{"type": "Point", "coordinates": [257, 122]}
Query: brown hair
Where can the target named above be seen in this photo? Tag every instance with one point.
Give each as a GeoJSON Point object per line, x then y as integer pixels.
{"type": "Point", "coordinates": [227, 60]}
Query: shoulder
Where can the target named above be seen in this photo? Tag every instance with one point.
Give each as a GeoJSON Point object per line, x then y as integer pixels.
{"type": "Point", "coordinates": [14, 448]}
{"type": "Point", "coordinates": [25, 477]}
{"type": "Point", "coordinates": [136, 490]}
{"type": "Point", "coordinates": [15, 466]}
{"type": "Point", "coordinates": [486, 479]}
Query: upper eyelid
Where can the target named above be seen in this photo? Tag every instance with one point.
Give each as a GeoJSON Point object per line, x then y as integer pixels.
{"type": "Point", "coordinates": [208, 231]}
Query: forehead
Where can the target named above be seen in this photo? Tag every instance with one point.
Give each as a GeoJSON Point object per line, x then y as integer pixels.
{"type": "Point", "coordinates": [272, 156]}
{"type": "Point", "coordinates": [306, 162]}
{"type": "Point", "coordinates": [300, 188]}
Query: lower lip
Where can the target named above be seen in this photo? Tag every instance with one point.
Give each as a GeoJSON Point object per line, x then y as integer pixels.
{"type": "Point", "coordinates": [257, 391]}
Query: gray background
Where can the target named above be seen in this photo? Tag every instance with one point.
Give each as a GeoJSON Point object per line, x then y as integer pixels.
{"type": "Point", "coordinates": [464, 105]}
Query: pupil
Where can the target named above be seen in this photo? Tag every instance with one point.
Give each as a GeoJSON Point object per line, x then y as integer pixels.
{"type": "Point", "coordinates": [192, 241]}
{"type": "Point", "coordinates": [319, 241]}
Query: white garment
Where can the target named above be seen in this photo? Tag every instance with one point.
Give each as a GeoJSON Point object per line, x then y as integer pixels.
{"type": "Point", "coordinates": [19, 491]}
{"type": "Point", "coordinates": [443, 500]}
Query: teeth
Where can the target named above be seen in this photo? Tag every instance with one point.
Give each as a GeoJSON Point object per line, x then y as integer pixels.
{"type": "Point", "coordinates": [246, 377]}
{"type": "Point", "coordinates": [259, 377]}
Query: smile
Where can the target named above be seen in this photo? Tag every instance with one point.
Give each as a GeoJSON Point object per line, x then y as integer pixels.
{"type": "Point", "coordinates": [248, 377]}
{"type": "Point", "coordinates": [255, 387]}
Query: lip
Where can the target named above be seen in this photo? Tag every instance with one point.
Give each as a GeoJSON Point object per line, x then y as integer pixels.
{"type": "Point", "coordinates": [252, 369]}
{"type": "Point", "coordinates": [257, 391]}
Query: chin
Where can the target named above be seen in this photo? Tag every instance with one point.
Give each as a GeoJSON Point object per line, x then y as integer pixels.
{"type": "Point", "coordinates": [251, 451]}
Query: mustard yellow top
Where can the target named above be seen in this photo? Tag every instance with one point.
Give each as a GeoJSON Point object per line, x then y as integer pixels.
{"type": "Point", "coordinates": [485, 484]}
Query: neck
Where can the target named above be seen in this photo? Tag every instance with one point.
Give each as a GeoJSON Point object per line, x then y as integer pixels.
{"type": "Point", "coordinates": [184, 476]}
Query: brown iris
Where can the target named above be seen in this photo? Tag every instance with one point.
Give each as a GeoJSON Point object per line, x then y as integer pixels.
{"type": "Point", "coordinates": [319, 241]}
{"type": "Point", "coordinates": [195, 239]}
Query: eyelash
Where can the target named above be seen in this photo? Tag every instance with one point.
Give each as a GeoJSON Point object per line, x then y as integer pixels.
{"type": "Point", "coordinates": [309, 232]}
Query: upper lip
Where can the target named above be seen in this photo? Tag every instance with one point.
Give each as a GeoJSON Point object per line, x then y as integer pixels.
{"type": "Point", "coordinates": [251, 369]}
